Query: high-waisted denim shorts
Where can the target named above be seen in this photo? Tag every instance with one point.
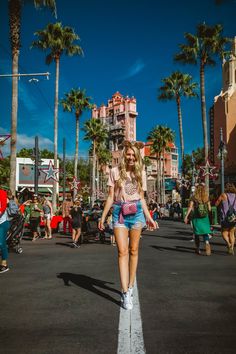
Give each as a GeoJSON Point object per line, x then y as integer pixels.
{"type": "Point", "coordinates": [135, 221]}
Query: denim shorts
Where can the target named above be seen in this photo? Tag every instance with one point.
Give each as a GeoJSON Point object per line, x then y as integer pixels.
{"type": "Point", "coordinates": [135, 221]}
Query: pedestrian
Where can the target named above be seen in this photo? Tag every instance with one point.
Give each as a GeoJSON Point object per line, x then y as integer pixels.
{"type": "Point", "coordinates": [4, 226]}
{"type": "Point", "coordinates": [127, 183]}
{"type": "Point", "coordinates": [47, 217]}
{"type": "Point", "coordinates": [76, 215]}
{"type": "Point", "coordinates": [200, 207]}
{"type": "Point", "coordinates": [36, 210]}
{"type": "Point", "coordinates": [227, 203]}
{"type": "Point", "coordinates": [66, 206]}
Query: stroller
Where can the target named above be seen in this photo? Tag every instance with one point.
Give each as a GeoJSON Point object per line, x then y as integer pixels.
{"type": "Point", "coordinates": [15, 233]}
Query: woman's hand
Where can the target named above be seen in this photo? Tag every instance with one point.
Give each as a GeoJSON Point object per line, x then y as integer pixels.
{"type": "Point", "coordinates": [101, 225]}
{"type": "Point", "coordinates": [152, 223]}
{"type": "Point", "coordinates": [186, 219]}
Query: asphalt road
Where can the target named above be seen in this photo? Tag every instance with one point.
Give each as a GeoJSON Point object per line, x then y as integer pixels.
{"type": "Point", "coordinates": [66, 301]}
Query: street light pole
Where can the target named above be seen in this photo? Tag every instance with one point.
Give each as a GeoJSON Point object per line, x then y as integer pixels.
{"type": "Point", "coordinates": [222, 167]}
{"type": "Point", "coordinates": [36, 165]}
{"type": "Point", "coordinates": [64, 169]}
{"type": "Point", "coordinates": [193, 174]}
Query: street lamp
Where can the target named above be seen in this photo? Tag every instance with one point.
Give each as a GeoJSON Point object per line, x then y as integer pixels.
{"type": "Point", "coordinates": [37, 161]}
{"type": "Point", "coordinates": [193, 174]}
{"type": "Point", "coordinates": [221, 155]}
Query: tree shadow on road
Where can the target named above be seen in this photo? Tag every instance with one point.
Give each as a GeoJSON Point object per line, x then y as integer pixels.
{"type": "Point", "coordinates": [176, 249]}
{"type": "Point", "coordinates": [89, 284]}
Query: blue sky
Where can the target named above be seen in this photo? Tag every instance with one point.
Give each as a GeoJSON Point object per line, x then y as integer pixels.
{"type": "Point", "coordinates": [128, 47]}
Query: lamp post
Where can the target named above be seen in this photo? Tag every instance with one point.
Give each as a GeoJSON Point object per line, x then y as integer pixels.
{"type": "Point", "coordinates": [193, 174]}
{"type": "Point", "coordinates": [37, 162]}
{"type": "Point", "coordinates": [221, 155]}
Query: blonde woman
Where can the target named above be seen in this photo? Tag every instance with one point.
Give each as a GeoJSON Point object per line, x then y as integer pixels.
{"type": "Point", "coordinates": [127, 184]}
{"type": "Point", "coordinates": [200, 207]}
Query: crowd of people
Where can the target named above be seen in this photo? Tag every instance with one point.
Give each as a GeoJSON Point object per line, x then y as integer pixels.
{"type": "Point", "coordinates": [123, 216]}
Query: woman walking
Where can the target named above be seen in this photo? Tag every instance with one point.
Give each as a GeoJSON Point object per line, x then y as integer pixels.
{"type": "Point", "coordinates": [200, 207]}
{"type": "Point", "coordinates": [127, 184]}
{"type": "Point", "coordinates": [76, 216]}
{"type": "Point", "coordinates": [227, 202]}
{"type": "Point", "coordinates": [47, 217]}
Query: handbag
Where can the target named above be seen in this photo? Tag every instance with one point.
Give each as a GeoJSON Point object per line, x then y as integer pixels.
{"type": "Point", "coordinates": [129, 208]}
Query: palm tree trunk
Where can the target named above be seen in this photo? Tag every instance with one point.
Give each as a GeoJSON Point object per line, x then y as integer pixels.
{"type": "Point", "coordinates": [180, 131]}
{"type": "Point", "coordinates": [76, 145]}
{"type": "Point", "coordinates": [204, 118]}
{"type": "Point", "coordinates": [163, 178]}
{"type": "Point", "coordinates": [93, 176]}
{"type": "Point", "coordinates": [15, 60]}
{"type": "Point", "coordinates": [55, 185]}
{"type": "Point", "coordinates": [14, 8]}
{"type": "Point", "coordinates": [158, 189]}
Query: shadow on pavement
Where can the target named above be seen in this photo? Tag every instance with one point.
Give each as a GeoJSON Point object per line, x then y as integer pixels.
{"type": "Point", "coordinates": [67, 244]}
{"type": "Point", "coordinates": [89, 284]}
{"type": "Point", "coordinates": [176, 249]}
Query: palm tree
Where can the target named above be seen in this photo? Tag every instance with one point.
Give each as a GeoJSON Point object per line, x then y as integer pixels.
{"type": "Point", "coordinates": [175, 86]}
{"type": "Point", "coordinates": [77, 101]}
{"type": "Point", "coordinates": [95, 131]}
{"type": "Point", "coordinates": [104, 158]}
{"type": "Point", "coordinates": [58, 40]}
{"type": "Point", "coordinates": [201, 49]}
{"type": "Point", "coordinates": [160, 137]}
{"type": "Point", "coordinates": [15, 9]}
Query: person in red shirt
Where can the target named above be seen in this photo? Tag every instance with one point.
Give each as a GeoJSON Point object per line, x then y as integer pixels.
{"type": "Point", "coordinates": [4, 226]}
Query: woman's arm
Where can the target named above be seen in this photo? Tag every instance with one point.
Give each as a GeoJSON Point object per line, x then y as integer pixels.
{"type": "Point", "coordinates": [146, 211]}
{"type": "Point", "coordinates": [219, 200]}
{"type": "Point", "coordinates": [107, 207]}
{"type": "Point", "coordinates": [190, 208]}
{"type": "Point", "coordinates": [209, 206]}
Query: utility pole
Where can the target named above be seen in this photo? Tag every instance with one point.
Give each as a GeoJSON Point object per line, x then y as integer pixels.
{"type": "Point", "coordinates": [64, 169]}
{"type": "Point", "coordinates": [36, 165]}
{"type": "Point", "coordinates": [222, 153]}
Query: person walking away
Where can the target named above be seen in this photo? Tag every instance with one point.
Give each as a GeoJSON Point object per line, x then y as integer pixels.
{"type": "Point", "coordinates": [200, 207]}
{"type": "Point", "coordinates": [47, 217]}
{"type": "Point", "coordinates": [36, 210]}
{"type": "Point", "coordinates": [227, 203]}
{"type": "Point", "coordinates": [4, 226]}
{"type": "Point", "coordinates": [76, 215]}
{"type": "Point", "coordinates": [110, 227]}
{"type": "Point", "coordinates": [127, 183]}
{"type": "Point", "coordinates": [66, 207]}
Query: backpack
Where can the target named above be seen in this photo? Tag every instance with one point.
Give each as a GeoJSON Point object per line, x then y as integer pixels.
{"type": "Point", "coordinates": [12, 209]}
{"type": "Point", "coordinates": [201, 210]}
{"type": "Point", "coordinates": [230, 216]}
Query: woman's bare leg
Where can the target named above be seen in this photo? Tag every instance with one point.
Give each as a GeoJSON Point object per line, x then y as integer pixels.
{"type": "Point", "coordinates": [134, 238]}
{"type": "Point", "coordinates": [225, 235]}
{"type": "Point", "coordinates": [49, 230]}
{"type": "Point", "coordinates": [73, 235]}
{"type": "Point", "coordinates": [232, 238]}
{"type": "Point", "coordinates": [77, 235]}
{"type": "Point", "coordinates": [121, 237]}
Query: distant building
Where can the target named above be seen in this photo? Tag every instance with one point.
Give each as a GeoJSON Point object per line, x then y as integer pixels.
{"type": "Point", "coordinates": [171, 172]}
{"type": "Point", "coordinates": [223, 115]}
{"type": "Point", "coordinates": [120, 117]}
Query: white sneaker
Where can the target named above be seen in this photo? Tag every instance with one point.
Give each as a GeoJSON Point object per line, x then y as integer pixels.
{"type": "Point", "coordinates": [125, 300]}
{"type": "Point", "coordinates": [130, 291]}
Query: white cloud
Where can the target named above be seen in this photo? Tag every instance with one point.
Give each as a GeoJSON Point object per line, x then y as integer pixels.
{"type": "Point", "coordinates": [135, 69]}
{"type": "Point", "coordinates": [25, 141]}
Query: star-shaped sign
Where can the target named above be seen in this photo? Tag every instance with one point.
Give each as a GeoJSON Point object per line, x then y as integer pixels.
{"type": "Point", "coordinates": [86, 189]}
{"type": "Point", "coordinates": [207, 169]}
{"type": "Point", "coordinates": [50, 172]}
{"type": "Point", "coordinates": [3, 138]}
{"type": "Point", "coordinates": [74, 185]}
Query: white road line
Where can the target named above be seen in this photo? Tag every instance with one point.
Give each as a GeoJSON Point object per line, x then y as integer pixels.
{"type": "Point", "coordinates": [130, 340]}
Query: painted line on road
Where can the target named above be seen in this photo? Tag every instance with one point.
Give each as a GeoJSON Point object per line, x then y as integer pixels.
{"type": "Point", "coordinates": [130, 338]}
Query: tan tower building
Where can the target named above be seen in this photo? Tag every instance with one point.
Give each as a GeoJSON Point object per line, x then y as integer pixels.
{"type": "Point", "coordinates": [223, 115]}
{"type": "Point", "coordinates": [120, 117]}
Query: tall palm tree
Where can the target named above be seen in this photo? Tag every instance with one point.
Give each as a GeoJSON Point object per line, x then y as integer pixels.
{"type": "Point", "coordinates": [160, 136]}
{"type": "Point", "coordinates": [15, 10]}
{"type": "Point", "coordinates": [175, 86]}
{"type": "Point", "coordinates": [95, 131]}
{"type": "Point", "coordinates": [104, 158]}
{"type": "Point", "coordinates": [58, 40]}
{"type": "Point", "coordinates": [76, 101]}
{"type": "Point", "coordinates": [202, 48]}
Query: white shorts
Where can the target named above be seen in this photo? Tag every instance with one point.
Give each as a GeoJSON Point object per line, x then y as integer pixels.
{"type": "Point", "coordinates": [47, 216]}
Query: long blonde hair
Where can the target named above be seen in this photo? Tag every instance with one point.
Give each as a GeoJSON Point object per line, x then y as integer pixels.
{"type": "Point", "coordinates": [138, 165]}
{"type": "Point", "coordinates": [200, 194]}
